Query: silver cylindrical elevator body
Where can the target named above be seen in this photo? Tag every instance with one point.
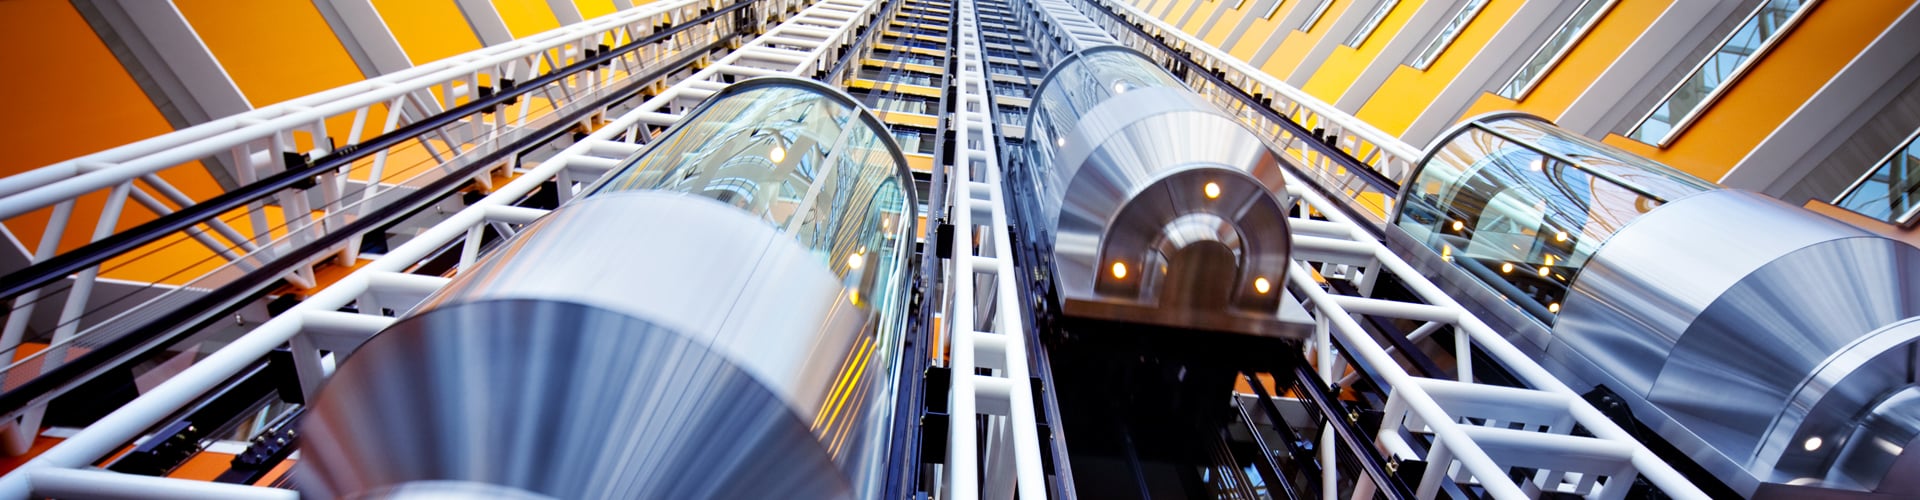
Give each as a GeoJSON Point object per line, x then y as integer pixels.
{"type": "Point", "coordinates": [1770, 344]}
{"type": "Point", "coordinates": [721, 317]}
{"type": "Point", "coordinates": [1159, 208]}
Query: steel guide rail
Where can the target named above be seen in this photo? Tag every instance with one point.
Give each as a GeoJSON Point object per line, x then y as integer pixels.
{"type": "Point", "coordinates": [978, 201]}
{"type": "Point", "coordinates": [316, 324]}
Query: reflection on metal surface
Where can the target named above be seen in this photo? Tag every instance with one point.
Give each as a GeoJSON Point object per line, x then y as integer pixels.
{"type": "Point", "coordinates": [719, 319]}
{"type": "Point", "coordinates": [1181, 204]}
{"type": "Point", "coordinates": [1769, 344]}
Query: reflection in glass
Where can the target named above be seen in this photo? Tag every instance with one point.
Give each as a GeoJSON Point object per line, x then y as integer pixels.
{"type": "Point", "coordinates": [800, 160]}
{"type": "Point", "coordinates": [1720, 68]}
{"type": "Point", "coordinates": [1891, 191]}
{"type": "Point", "coordinates": [1521, 205]}
{"type": "Point", "coordinates": [1556, 48]}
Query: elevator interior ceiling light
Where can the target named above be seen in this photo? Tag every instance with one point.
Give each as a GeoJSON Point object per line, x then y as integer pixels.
{"type": "Point", "coordinates": [1262, 285]}
{"type": "Point", "coordinates": [1812, 444]}
{"type": "Point", "coordinates": [1213, 190]}
{"type": "Point", "coordinates": [1506, 267]}
{"type": "Point", "coordinates": [1459, 226]}
{"type": "Point", "coordinates": [779, 154]}
{"type": "Point", "coordinates": [1554, 308]}
{"type": "Point", "coordinates": [856, 260]}
{"type": "Point", "coordinates": [1562, 236]}
{"type": "Point", "coordinates": [1119, 270]}
{"type": "Point", "coordinates": [1544, 270]}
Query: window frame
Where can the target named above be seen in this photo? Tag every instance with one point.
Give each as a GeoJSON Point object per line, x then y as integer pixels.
{"type": "Point", "coordinates": [1680, 126]}
{"type": "Point", "coordinates": [1275, 9]}
{"type": "Point", "coordinates": [1463, 18]}
{"type": "Point", "coordinates": [1314, 18]}
{"type": "Point", "coordinates": [1560, 55]}
{"type": "Point", "coordinates": [1371, 23]}
{"type": "Point", "coordinates": [1912, 214]}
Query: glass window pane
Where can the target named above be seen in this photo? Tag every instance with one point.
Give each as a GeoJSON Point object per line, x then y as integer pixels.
{"type": "Point", "coordinates": [1372, 23]}
{"type": "Point", "coordinates": [1719, 68]}
{"type": "Point", "coordinates": [1892, 189]}
{"type": "Point", "coordinates": [1314, 17]}
{"type": "Point", "coordinates": [1448, 34]}
{"type": "Point", "coordinates": [1555, 49]}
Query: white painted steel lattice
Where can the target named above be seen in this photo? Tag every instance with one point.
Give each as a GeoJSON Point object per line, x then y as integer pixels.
{"type": "Point", "coordinates": [979, 206]}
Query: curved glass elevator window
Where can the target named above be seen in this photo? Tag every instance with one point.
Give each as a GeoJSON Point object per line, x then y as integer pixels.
{"type": "Point", "coordinates": [802, 158]}
{"type": "Point", "coordinates": [1521, 204]}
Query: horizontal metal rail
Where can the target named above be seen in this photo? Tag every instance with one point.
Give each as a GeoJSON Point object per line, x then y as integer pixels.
{"type": "Point", "coordinates": [176, 324]}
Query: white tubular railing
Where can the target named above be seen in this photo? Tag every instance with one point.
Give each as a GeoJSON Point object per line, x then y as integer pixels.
{"type": "Point", "coordinates": [519, 59]}
{"type": "Point", "coordinates": [1473, 443]}
{"type": "Point", "coordinates": [1387, 154]}
{"type": "Point", "coordinates": [316, 325]}
{"type": "Point", "coordinates": [978, 203]}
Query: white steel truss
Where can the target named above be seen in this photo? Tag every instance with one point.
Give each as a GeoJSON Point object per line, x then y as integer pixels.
{"type": "Point", "coordinates": [253, 143]}
{"type": "Point", "coordinates": [800, 46]}
{"type": "Point", "coordinates": [978, 206]}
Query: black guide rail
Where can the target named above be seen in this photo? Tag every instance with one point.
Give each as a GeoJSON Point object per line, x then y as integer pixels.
{"type": "Point", "coordinates": [1364, 172]}
{"type": "Point", "coordinates": [904, 453]}
{"type": "Point", "coordinates": [177, 324]}
{"type": "Point", "coordinates": [1358, 444]}
{"type": "Point", "coordinates": [58, 267]}
{"type": "Point", "coordinates": [1297, 455]}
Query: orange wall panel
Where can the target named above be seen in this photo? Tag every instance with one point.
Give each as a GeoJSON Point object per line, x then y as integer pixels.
{"type": "Point", "coordinates": [1287, 56]}
{"type": "Point", "coordinates": [1604, 43]}
{"type": "Point", "coordinates": [526, 17]}
{"type": "Point", "coordinates": [1409, 91]}
{"type": "Point", "coordinates": [92, 105]}
{"type": "Point", "coordinates": [89, 104]}
{"type": "Point", "coordinates": [1344, 65]}
{"type": "Point", "coordinates": [1774, 88]}
{"type": "Point", "coordinates": [1257, 32]}
{"type": "Point", "coordinates": [273, 50]}
{"type": "Point", "coordinates": [590, 9]}
{"type": "Point", "coordinates": [428, 31]}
